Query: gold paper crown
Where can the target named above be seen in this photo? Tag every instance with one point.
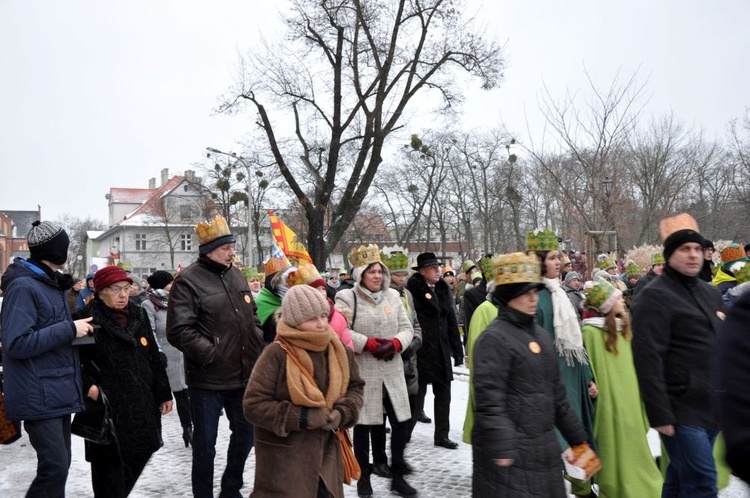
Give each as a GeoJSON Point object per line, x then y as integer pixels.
{"type": "Point", "coordinates": [541, 240]}
{"type": "Point", "coordinates": [599, 292]}
{"type": "Point", "coordinates": [516, 268]}
{"type": "Point", "coordinates": [274, 265]}
{"type": "Point", "coordinates": [365, 255]}
{"type": "Point", "coordinates": [682, 221]}
{"type": "Point", "coordinates": [210, 231]}
{"type": "Point", "coordinates": [397, 261]}
{"type": "Point", "coordinates": [306, 273]}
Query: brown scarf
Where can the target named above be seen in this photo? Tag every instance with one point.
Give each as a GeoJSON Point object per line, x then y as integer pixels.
{"type": "Point", "coordinates": [302, 388]}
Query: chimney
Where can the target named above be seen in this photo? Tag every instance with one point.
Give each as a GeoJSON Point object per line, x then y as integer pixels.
{"type": "Point", "coordinates": [189, 175]}
{"type": "Point", "coordinates": [152, 183]}
{"type": "Point", "coordinates": [164, 176]}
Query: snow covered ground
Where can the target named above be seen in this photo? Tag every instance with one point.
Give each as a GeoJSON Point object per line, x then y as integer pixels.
{"type": "Point", "coordinates": [438, 472]}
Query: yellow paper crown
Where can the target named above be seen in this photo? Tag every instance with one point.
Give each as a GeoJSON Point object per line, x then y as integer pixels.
{"type": "Point", "coordinates": [516, 268]}
{"type": "Point", "coordinates": [274, 265]}
{"type": "Point", "coordinates": [365, 255]}
{"type": "Point", "coordinates": [541, 240]}
{"type": "Point", "coordinates": [210, 231]}
{"type": "Point", "coordinates": [305, 274]}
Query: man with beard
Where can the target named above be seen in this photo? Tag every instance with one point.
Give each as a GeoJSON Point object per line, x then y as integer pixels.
{"type": "Point", "coordinates": [433, 304]}
{"type": "Point", "coordinates": [211, 318]}
{"type": "Point", "coordinates": [675, 319]}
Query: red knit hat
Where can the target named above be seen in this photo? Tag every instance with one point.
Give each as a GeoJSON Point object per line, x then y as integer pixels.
{"type": "Point", "coordinates": [108, 276]}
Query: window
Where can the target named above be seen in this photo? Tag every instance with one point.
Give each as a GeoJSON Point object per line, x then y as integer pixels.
{"type": "Point", "coordinates": [186, 212]}
{"type": "Point", "coordinates": [140, 242]}
{"type": "Point", "coordinates": [186, 242]}
{"type": "Point", "coordinates": [141, 273]}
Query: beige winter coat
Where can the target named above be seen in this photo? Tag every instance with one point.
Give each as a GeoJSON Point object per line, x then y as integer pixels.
{"type": "Point", "coordinates": [386, 319]}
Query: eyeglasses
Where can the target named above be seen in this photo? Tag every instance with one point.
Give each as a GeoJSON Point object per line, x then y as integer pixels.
{"type": "Point", "coordinates": [117, 289]}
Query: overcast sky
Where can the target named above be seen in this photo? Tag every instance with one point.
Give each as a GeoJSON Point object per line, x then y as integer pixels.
{"type": "Point", "coordinates": [96, 95]}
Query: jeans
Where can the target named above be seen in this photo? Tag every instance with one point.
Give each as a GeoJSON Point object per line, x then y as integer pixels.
{"type": "Point", "coordinates": [50, 438]}
{"type": "Point", "coordinates": [205, 407]}
{"type": "Point", "coordinates": [692, 470]}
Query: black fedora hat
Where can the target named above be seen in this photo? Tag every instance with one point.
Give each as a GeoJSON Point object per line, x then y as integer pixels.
{"type": "Point", "coordinates": [426, 259]}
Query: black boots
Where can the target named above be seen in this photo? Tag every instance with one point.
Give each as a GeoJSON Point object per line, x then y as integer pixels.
{"type": "Point", "coordinates": [401, 487]}
{"type": "Point", "coordinates": [364, 488]}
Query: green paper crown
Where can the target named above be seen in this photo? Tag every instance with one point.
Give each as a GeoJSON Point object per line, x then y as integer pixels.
{"type": "Point", "coordinates": [467, 264]}
{"type": "Point", "coordinates": [633, 269]}
{"type": "Point", "coordinates": [516, 268]}
{"type": "Point", "coordinates": [397, 261]}
{"type": "Point", "coordinates": [657, 259]}
{"type": "Point", "coordinates": [485, 266]}
{"type": "Point", "coordinates": [607, 263]}
{"type": "Point", "coordinates": [541, 240]}
{"type": "Point", "coordinates": [599, 293]}
{"type": "Point", "coordinates": [251, 273]}
{"type": "Point", "coordinates": [743, 274]}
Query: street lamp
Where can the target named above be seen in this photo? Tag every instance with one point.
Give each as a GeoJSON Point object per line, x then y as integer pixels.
{"type": "Point", "coordinates": [249, 196]}
{"type": "Point", "coordinates": [607, 184]}
{"type": "Point", "coordinates": [467, 219]}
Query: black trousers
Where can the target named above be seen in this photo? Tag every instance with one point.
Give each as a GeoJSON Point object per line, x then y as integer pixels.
{"type": "Point", "coordinates": [442, 391]}
{"type": "Point", "coordinates": [114, 477]}
{"type": "Point", "coordinates": [399, 437]}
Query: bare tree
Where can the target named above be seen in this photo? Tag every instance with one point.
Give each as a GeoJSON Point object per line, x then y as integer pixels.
{"type": "Point", "coordinates": [342, 81]}
{"type": "Point", "coordinates": [77, 229]}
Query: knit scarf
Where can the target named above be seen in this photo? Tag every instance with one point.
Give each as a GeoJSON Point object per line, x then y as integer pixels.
{"type": "Point", "coordinates": [159, 298]}
{"type": "Point", "coordinates": [302, 391]}
{"type": "Point", "coordinates": [568, 338]}
{"type": "Point", "coordinates": [598, 322]}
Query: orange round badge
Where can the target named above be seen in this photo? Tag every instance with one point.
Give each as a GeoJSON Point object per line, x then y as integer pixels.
{"type": "Point", "coordinates": [534, 347]}
{"type": "Point", "coordinates": [388, 310]}
{"type": "Point", "coordinates": [247, 299]}
{"type": "Point", "coordinates": [428, 295]}
{"type": "Point", "coordinates": [144, 342]}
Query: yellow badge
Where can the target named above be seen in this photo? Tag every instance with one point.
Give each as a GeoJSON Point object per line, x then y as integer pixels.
{"type": "Point", "coordinates": [247, 299]}
{"type": "Point", "coordinates": [144, 342]}
{"type": "Point", "coordinates": [388, 310]}
{"type": "Point", "coordinates": [428, 295]}
{"type": "Point", "coordinates": [534, 347]}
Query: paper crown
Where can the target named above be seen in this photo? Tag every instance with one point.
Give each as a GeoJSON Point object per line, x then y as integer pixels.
{"type": "Point", "coordinates": [487, 269]}
{"type": "Point", "coordinates": [209, 231]}
{"type": "Point", "coordinates": [396, 261]}
{"type": "Point", "coordinates": [601, 295]}
{"type": "Point", "coordinates": [742, 275]}
{"type": "Point", "coordinates": [632, 269]}
{"type": "Point", "coordinates": [605, 263]}
{"type": "Point", "coordinates": [657, 259]}
{"type": "Point", "coordinates": [541, 240]}
{"type": "Point", "coordinates": [447, 269]}
{"type": "Point", "coordinates": [682, 221]}
{"type": "Point", "coordinates": [732, 252]}
{"type": "Point", "coordinates": [467, 265]}
{"type": "Point", "coordinates": [274, 265]}
{"type": "Point", "coordinates": [250, 273]}
{"type": "Point", "coordinates": [365, 255]}
{"type": "Point", "coordinates": [564, 260]}
{"type": "Point", "coordinates": [306, 273]}
{"type": "Point", "coordinates": [516, 268]}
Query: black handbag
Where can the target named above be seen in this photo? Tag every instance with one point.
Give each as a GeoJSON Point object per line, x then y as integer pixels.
{"type": "Point", "coordinates": [95, 424]}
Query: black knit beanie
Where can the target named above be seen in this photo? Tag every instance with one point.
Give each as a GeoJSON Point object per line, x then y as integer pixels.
{"type": "Point", "coordinates": [160, 279]}
{"type": "Point", "coordinates": [505, 293]}
{"type": "Point", "coordinates": [678, 238]}
{"type": "Point", "coordinates": [48, 242]}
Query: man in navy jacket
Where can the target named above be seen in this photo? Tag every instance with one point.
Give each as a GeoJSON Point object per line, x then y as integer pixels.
{"type": "Point", "coordinates": [42, 374]}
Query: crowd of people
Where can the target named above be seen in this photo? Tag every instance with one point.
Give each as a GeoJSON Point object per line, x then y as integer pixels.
{"type": "Point", "coordinates": [562, 362]}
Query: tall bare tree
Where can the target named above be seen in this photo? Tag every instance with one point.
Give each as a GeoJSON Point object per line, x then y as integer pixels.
{"type": "Point", "coordinates": [341, 82]}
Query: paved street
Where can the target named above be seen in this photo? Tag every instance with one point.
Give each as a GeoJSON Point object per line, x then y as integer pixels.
{"type": "Point", "coordinates": [438, 472]}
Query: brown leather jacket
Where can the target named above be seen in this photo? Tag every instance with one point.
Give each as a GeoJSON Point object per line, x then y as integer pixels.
{"type": "Point", "coordinates": [212, 319]}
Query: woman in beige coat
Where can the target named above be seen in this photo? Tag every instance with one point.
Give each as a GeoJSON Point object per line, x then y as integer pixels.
{"type": "Point", "coordinates": [380, 330]}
